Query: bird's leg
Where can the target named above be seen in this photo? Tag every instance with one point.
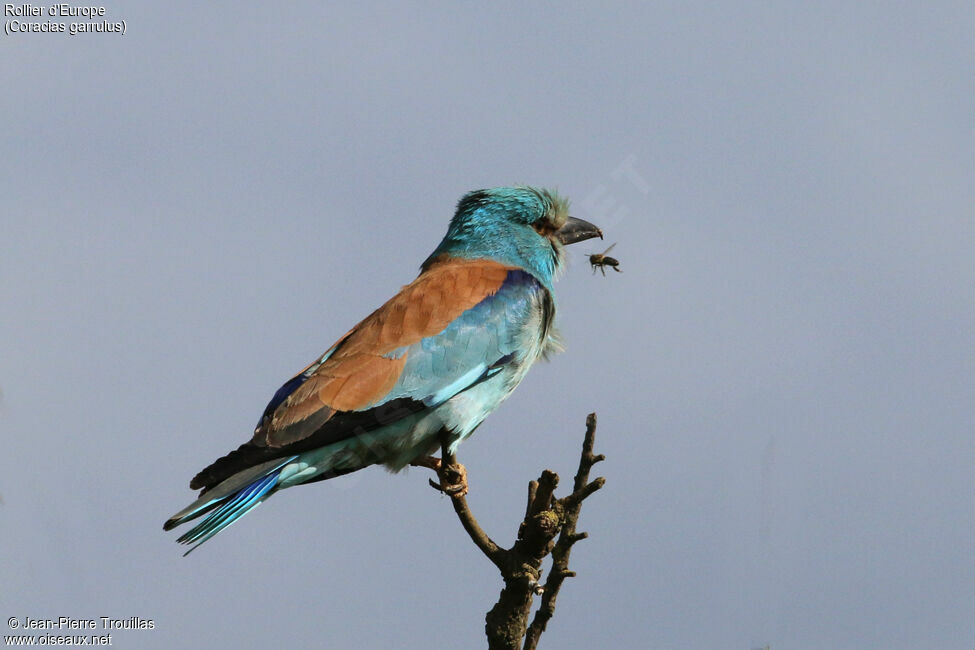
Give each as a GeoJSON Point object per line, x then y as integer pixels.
{"type": "Point", "coordinates": [430, 462]}
{"type": "Point", "coordinates": [453, 477]}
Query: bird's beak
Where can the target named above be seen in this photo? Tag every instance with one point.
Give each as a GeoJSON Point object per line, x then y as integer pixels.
{"type": "Point", "coordinates": [576, 230]}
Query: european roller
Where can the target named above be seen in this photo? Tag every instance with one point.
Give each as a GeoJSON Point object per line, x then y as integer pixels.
{"type": "Point", "coordinates": [425, 368]}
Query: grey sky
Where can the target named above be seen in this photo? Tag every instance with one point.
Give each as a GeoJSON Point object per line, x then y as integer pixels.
{"type": "Point", "coordinates": [783, 372]}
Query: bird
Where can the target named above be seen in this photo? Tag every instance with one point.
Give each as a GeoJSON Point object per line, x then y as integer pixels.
{"type": "Point", "coordinates": [423, 370]}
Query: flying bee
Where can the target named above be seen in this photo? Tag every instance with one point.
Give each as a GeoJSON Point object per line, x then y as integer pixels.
{"type": "Point", "coordinates": [602, 260]}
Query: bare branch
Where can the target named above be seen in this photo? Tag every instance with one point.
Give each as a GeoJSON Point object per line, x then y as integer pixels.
{"type": "Point", "coordinates": [571, 506]}
{"type": "Point", "coordinates": [487, 545]}
{"type": "Point", "coordinates": [544, 493]}
{"type": "Point", "coordinates": [576, 497]}
{"type": "Point", "coordinates": [588, 459]}
{"type": "Point", "coordinates": [532, 491]}
{"type": "Point", "coordinates": [548, 527]}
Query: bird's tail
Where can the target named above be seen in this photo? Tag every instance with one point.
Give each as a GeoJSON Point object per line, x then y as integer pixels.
{"type": "Point", "coordinates": [228, 501]}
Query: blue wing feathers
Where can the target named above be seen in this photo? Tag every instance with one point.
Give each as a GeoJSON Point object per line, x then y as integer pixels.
{"type": "Point", "coordinates": [478, 344]}
{"type": "Point", "coordinates": [281, 394]}
{"type": "Point", "coordinates": [483, 334]}
{"type": "Point", "coordinates": [472, 348]}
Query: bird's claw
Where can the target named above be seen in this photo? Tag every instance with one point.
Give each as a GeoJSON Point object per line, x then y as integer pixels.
{"type": "Point", "coordinates": [453, 477]}
{"type": "Point", "coordinates": [453, 480]}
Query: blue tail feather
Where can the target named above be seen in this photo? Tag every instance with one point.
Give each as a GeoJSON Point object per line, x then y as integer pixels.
{"type": "Point", "coordinates": [242, 502]}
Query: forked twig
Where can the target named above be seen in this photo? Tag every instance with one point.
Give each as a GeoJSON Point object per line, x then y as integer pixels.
{"type": "Point", "coordinates": [545, 518]}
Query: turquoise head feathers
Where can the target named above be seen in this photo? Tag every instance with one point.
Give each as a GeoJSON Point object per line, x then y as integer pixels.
{"type": "Point", "coordinates": [521, 226]}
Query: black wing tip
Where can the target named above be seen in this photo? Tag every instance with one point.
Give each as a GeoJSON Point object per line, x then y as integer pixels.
{"type": "Point", "coordinates": [244, 456]}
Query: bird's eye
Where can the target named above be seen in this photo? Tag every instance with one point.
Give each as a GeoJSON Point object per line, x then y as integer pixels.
{"type": "Point", "coordinates": [544, 227]}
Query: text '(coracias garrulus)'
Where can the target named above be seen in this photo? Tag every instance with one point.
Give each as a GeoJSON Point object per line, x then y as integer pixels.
{"type": "Point", "coordinates": [426, 367]}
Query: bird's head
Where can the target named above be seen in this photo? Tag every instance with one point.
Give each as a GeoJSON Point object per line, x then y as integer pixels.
{"type": "Point", "coordinates": [521, 226]}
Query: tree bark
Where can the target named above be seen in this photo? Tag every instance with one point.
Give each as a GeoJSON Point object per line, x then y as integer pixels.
{"type": "Point", "coordinates": [548, 527]}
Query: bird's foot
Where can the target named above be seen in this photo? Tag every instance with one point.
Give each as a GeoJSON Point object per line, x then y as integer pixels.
{"type": "Point", "coordinates": [453, 477]}
{"type": "Point", "coordinates": [453, 480]}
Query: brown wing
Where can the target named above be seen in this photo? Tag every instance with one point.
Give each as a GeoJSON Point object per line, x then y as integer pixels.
{"type": "Point", "coordinates": [340, 395]}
